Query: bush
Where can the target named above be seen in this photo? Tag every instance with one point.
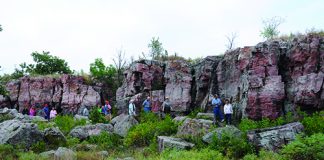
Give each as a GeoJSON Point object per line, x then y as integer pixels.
{"type": "Point", "coordinates": [70, 141]}
{"type": "Point", "coordinates": [39, 147]}
{"type": "Point", "coordinates": [67, 123]}
{"type": "Point", "coordinates": [43, 125]}
{"type": "Point", "coordinates": [314, 124]}
{"type": "Point", "coordinates": [106, 140]}
{"type": "Point", "coordinates": [310, 148]}
{"type": "Point", "coordinates": [147, 131]}
{"type": "Point", "coordinates": [96, 117]}
{"type": "Point", "coordinates": [231, 145]}
{"type": "Point", "coordinates": [30, 156]}
{"type": "Point", "coordinates": [7, 152]}
{"type": "Point", "coordinates": [204, 154]}
{"type": "Point", "coordinates": [247, 124]}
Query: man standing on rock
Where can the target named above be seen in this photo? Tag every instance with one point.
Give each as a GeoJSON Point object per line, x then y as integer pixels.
{"type": "Point", "coordinates": [147, 105]}
{"type": "Point", "coordinates": [216, 104]}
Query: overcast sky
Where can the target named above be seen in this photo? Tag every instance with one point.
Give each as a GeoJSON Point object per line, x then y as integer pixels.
{"type": "Point", "coordinates": [81, 30]}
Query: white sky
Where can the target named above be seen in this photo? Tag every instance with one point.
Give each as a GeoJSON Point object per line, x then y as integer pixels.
{"type": "Point", "coordinates": [81, 30]}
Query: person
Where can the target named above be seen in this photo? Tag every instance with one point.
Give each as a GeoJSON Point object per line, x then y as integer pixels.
{"type": "Point", "coordinates": [32, 111]}
{"type": "Point", "coordinates": [131, 108]}
{"type": "Point", "coordinates": [228, 111]}
{"type": "Point", "coordinates": [216, 104]}
{"type": "Point", "coordinates": [53, 113]}
{"type": "Point", "coordinates": [155, 104]}
{"type": "Point", "coordinates": [25, 111]}
{"type": "Point", "coordinates": [166, 106]}
{"type": "Point", "coordinates": [85, 112]}
{"type": "Point", "coordinates": [99, 108]}
{"type": "Point", "coordinates": [147, 105]}
{"type": "Point", "coordinates": [107, 110]}
{"type": "Point", "coordinates": [46, 111]}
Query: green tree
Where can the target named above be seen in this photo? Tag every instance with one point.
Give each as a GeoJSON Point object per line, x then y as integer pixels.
{"type": "Point", "coordinates": [156, 49]}
{"type": "Point", "coordinates": [270, 28]}
{"type": "Point", "coordinates": [0, 28]}
{"type": "Point", "coordinates": [47, 64]}
{"type": "Point", "coordinates": [103, 73]}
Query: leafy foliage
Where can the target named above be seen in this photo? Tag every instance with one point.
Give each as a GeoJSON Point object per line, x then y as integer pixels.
{"type": "Point", "coordinates": [46, 64]}
{"type": "Point", "coordinates": [67, 123]}
{"type": "Point", "coordinates": [204, 154]}
{"type": "Point", "coordinates": [7, 152]}
{"type": "Point", "coordinates": [147, 131]}
{"type": "Point", "coordinates": [264, 155]}
{"type": "Point", "coordinates": [39, 147]}
{"type": "Point", "coordinates": [310, 148]}
{"type": "Point", "coordinates": [106, 140]}
{"type": "Point", "coordinates": [314, 123]}
{"type": "Point", "coordinates": [96, 117]}
{"type": "Point", "coordinates": [270, 28]}
{"type": "Point", "coordinates": [231, 145]}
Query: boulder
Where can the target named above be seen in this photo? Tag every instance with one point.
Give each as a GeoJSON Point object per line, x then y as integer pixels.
{"type": "Point", "coordinates": [275, 137]}
{"type": "Point", "coordinates": [231, 130]}
{"type": "Point", "coordinates": [4, 101]}
{"type": "Point", "coordinates": [194, 127]}
{"type": "Point", "coordinates": [47, 155]}
{"type": "Point", "coordinates": [171, 142]}
{"type": "Point", "coordinates": [63, 153]}
{"type": "Point", "coordinates": [54, 137]}
{"type": "Point", "coordinates": [15, 132]}
{"type": "Point", "coordinates": [7, 114]}
{"type": "Point", "coordinates": [83, 132]}
{"type": "Point", "coordinates": [85, 147]}
{"type": "Point", "coordinates": [123, 123]}
{"type": "Point", "coordinates": [102, 154]}
{"type": "Point", "coordinates": [79, 117]}
{"type": "Point", "coordinates": [179, 119]}
{"type": "Point", "coordinates": [208, 116]}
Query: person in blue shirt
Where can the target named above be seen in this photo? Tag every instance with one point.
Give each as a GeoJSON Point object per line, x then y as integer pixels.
{"type": "Point", "coordinates": [147, 105]}
{"type": "Point", "coordinates": [216, 104]}
{"type": "Point", "coordinates": [46, 111]}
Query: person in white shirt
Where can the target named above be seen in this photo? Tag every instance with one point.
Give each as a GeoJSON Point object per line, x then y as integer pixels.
{"type": "Point", "coordinates": [228, 111]}
{"type": "Point", "coordinates": [131, 108]}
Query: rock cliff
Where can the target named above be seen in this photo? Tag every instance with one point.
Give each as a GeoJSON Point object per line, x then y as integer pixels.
{"type": "Point", "coordinates": [266, 80]}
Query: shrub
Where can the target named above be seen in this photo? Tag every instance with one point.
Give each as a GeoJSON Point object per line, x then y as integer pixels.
{"type": "Point", "coordinates": [5, 118]}
{"type": "Point", "coordinates": [310, 148]}
{"type": "Point", "coordinates": [43, 125]}
{"type": "Point", "coordinates": [146, 132]}
{"type": "Point", "coordinates": [106, 140]}
{"type": "Point", "coordinates": [30, 156]}
{"type": "Point", "coordinates": [39, 147]}
{"type": "Point", "coordinates": [204, 154]}
{"type": "Point", "coordinates": [7, 152]}
{"type": "Point", "coordinates": [314, 124]}
{"type": "Point", "coordinates": [96, 117]}
{"type": "Point", "coordinates": [231, 145]}
{"type": "Point", "coordinates": [67, 123]}
{"type": "Point", "coordinates": [247, 124]}
{"type": "Point", "coordinates": [70, 141]}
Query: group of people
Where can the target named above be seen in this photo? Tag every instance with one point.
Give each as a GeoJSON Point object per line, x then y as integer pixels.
{"type": "Point", "coordinates": [216, 103]}
{"type": "Point", "coordinates": [38, 110]}
{"type": "Point", "coordinates": [105, 110]}
{"type": "Point", "coordinates": [165, 107]}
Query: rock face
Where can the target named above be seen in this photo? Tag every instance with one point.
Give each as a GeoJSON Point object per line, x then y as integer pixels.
{"type": "Point", "coordinates": [233, 131]}
{"type": "Point", "coordinates": [262, 81]}
{"type": "Point", "coordinates": [67, 91]}
{"type": "Point", "coordinates": [83, 132]}
{"type": "Point", "coordinates": [275, 137]}
{"type": "Point", "coordinates": [194, 127]}
{"type": "Point", "coordinates": [170, 142]}
{"type": "Point", "coordinates": [15, 132]}
{"type": "Point", "coordinates": [123, 123]}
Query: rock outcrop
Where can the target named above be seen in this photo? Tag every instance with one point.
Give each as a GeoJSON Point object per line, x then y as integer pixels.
{"type": "Point", "coordinates": [171, 142]}
{"type": "Point", "coordinates": [230, 130]}
{"type": "Point", "coordinates": [63, 153]}
{"type": "Point", "coordinates": [194, 127]}
{"type": "Point", "coordinates": [274, 138]}
{"type": "Point", "coordinates": [54, 137]}
{"type": "Point", "coordinates": [83, 132]}
{"type": "Point", "coordinates": [262, 81]}
{"type": "Point", "coordinates": [123, 123]}
{"type": "Point", "coordinates": [69, 92]}
{"type": "Point", "coordinates": [15, 132]}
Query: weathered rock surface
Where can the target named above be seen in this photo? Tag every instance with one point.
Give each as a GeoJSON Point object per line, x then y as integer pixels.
{"type": "Point", "coordinates": [63, 153]}
{"type": "Point", "coordinates": [15, 132]}
{"type": "Point", "coordinates": [274, 138]}
{"type": "Point", "coordinates": [231, 130]}
{"type": "Point", "coordinates": [123, 123]}
{"type": "Point", "coordinates": [54, 137]}
{"type": "Point", "coordinates": [67, 91]}
{"type": "Point", "coordinates": [8, 114]}
{"type": "Point", "coordinates": [194, 127]}
{"type": "Point", "coordinates": [179, 119]}
{"type": "Point", "coordinates": [83, 132]}
{"type": "Point", "coordinates": [47, 154]}
{"type": "Point", "coordinates": [171, 142]}
{"type": "Point", "coordinates": [208, 116]}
